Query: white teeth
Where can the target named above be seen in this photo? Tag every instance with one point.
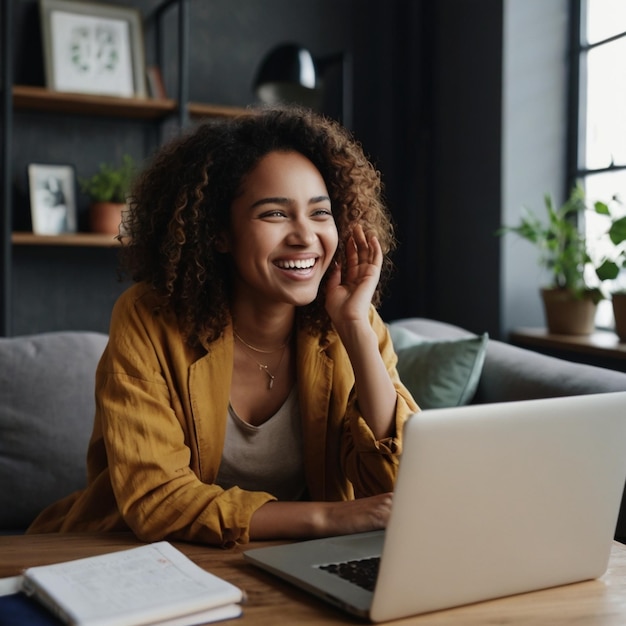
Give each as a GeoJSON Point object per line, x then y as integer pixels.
{"type": "Point", "coordinates": [299, 264]}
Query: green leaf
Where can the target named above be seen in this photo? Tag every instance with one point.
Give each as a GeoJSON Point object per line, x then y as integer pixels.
{"type": "Point", "coordinates": [617, 232]}
{"type": "Point", "coordinates": [602, 208]}
{"type": "Point", "coordinates": [608, 270]}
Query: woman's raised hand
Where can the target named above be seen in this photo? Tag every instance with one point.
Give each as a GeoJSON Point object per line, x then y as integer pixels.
{"type": "Point", "coordinates": [348, 298]}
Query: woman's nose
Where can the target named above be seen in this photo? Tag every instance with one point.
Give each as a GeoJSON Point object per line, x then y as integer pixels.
{"type": "Point", "coordinates": [302, 233]}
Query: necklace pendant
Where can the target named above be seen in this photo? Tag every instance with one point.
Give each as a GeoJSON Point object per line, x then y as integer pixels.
{"type": "Point", "coordinates": [264, 368]}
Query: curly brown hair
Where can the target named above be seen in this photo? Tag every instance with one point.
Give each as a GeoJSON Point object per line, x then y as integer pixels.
{"type": "Point", "coordinates": [180, 203]}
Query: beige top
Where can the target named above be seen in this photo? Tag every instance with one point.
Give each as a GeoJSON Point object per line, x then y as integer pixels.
{"type": "Point", "coordinates": [266, 457]}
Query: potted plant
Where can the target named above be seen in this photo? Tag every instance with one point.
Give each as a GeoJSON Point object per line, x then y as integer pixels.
{"type": "Point", "coordinates": [569, 302]}
{"type": "Point", "coordinates": [108, 189]}
{"type": "Point", "coordinates": [614, 263]}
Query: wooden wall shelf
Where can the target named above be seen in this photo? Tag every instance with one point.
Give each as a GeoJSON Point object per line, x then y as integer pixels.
{"type": "Point", "coordinates": [69, 239]}
{"type": "Point", "coordinates": [199, 110]}
{"type": "Point", "coordinates": [40, 99]}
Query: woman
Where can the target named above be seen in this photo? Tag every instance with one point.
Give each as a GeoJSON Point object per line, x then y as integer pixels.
{"type": "Point", "coordinates": [248, 389]}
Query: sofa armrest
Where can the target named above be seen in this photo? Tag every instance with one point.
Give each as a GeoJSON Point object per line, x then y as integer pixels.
{"type": "Point", "coordinates": [513, 373]}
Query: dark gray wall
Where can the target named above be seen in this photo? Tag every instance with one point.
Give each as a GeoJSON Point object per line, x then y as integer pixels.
{"type": "Point", "coordinates": [464, 163]}
{"type": "Point", "coordinates": [57, 288]}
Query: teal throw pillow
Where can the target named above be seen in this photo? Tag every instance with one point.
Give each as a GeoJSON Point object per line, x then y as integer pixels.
{"type": "Point", "coordinates": [439, 373]}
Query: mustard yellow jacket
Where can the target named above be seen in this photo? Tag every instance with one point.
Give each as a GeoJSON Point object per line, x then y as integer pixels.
{"type": "Point", "coordinates": [160, 422]}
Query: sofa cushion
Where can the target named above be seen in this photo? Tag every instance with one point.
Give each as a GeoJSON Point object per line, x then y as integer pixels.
{"type": "Point", "coordinates": [439, 373]}
{"type": "Point", "coordinates": [46, 415]}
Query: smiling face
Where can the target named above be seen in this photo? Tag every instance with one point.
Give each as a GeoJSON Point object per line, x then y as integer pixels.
{"type": "Point", "coordinates": [283, 236]}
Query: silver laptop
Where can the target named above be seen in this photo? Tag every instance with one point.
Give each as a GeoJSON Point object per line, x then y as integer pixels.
{"type": "Point", "coordinates": [491, 500]}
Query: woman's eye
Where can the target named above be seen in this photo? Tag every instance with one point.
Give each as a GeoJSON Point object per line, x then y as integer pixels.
{"type": "Point", "coordinates": [274, 213]}
{"type": "Point", "coordinates": [322, 212]}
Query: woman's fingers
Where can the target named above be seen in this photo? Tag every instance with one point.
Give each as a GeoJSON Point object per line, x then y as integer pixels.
{"type": "Point", "coordinates": [361, 515]}
{"type": "Point", "coordinates": [362, 249]}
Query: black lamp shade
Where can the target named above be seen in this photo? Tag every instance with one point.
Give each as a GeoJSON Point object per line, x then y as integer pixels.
{"type": "Point", "coordinates": [288, 74]}
{"type": "Point", "coordinates": [288, 63]}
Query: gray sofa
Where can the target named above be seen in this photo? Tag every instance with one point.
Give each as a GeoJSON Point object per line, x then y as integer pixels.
{"type": "Point", "coordinates": [46, 413]}
{"type": "Point", "coordinates": [47, 405]}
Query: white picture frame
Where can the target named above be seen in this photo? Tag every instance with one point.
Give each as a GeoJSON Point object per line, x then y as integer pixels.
{"type": "Point", "coordinates": [52, 192]}
{"type": "Point", "coordinates": [93, 48]}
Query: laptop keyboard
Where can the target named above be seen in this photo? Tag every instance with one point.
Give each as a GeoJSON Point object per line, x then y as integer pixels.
{"type": "Point", "coordinates": [362, 572]}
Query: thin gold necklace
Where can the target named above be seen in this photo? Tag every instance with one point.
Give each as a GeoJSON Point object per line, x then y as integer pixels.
{"type": "Point", "coordinates": [245, 343]}
{"type": "Point", "coordinates": [263, 366]}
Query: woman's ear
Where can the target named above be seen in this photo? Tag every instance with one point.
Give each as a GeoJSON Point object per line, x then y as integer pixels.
{"type": "Point", "coordinates": [222, 243]}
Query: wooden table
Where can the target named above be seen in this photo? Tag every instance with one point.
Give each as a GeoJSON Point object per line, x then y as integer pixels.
{"type": "Point", "coordinates": [599, 602]}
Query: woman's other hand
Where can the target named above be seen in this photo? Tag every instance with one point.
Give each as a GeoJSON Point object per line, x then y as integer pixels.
{"type": "Point", "coordinates": [307, 520]}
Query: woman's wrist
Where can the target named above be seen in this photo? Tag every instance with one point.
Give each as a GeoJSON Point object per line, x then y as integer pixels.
{"type": "Point", "coordinates": [294, 520]}
{"type": "Point", "coordinates": [357, 335]}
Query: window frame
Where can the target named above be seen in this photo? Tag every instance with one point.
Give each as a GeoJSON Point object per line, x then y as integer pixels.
{"type": "Point", "coordinates": [576, 172]}
{"type": "Point", "coordinates": [577, 88]}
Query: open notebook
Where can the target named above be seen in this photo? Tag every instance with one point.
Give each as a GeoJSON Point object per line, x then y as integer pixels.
{"type": "Point", "coordinates": [491, 500]}
{"type": "Point", "coordinates": [151, 584]}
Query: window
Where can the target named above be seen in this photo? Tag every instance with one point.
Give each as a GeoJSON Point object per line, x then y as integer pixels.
{"type": "Point", "coordinates": [598, 149]}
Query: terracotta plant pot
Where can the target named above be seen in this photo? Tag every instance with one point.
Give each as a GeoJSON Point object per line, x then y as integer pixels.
{"type": "Point", "coordinates": [568, 315]}
{"type": "Point", "coordinates": [619, 312]}
{"type": "Point", "coordinates": [106, 217]}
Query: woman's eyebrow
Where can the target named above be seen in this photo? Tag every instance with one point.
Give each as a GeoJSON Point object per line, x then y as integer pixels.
{"type": "Point", "coordinates": [271, 200]}
{"type": "Point", "coordinates": [284, 201]}
{"type": "Point", "coordinates": [317, 199]}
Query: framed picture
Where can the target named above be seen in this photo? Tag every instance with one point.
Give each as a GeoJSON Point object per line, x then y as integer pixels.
{"type": "Point", "coordinates": [93, 48]}
{"type": "Point", "coordinates": [52, 190]}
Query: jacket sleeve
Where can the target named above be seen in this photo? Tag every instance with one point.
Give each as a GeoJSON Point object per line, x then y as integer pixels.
{"type": "Point", "coordinates": [145, 430]}
{"type": "Point", "coordinates": [372, 465]}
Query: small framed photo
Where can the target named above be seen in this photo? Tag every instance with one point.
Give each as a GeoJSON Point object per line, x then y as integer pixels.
{"type": "Point", "coordinates": [52, 190]}
{"type": "Point", "coordinates": [93, 48]}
